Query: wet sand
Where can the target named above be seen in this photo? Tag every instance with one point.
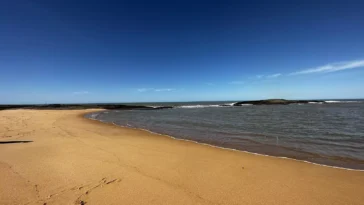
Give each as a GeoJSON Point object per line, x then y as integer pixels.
{"type": "Point", "coordinates": [59, 157]}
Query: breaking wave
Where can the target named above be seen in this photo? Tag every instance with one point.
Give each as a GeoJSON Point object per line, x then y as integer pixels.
{"type": "Point", "coordinates": [335, 101]}
{"type": "Point", "coordinates": [198, 106]}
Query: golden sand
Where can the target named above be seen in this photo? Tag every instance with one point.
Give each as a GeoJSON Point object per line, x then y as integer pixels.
{"type": "Point", "coordinates": [73, 160]}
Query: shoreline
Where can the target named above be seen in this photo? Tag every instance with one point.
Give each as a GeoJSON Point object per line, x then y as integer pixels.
{"type": "Point", "coordinates": [71, 159]}
{"type": "Point", "coordinates": [237, 150]}
{"type": "Point", "coordinates": [219, 147]}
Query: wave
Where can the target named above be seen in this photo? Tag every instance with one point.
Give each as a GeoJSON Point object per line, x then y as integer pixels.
{"type": "Point", "coordinates": [155, 107]}
{"type": "Point", "coordinates": [229, 104]}
{"type": "Point", "coordinates": [214, 105]}
{"type": "Point", "coordinates": [233, 104]}
{"type": "Point", "coordinates": [198, 106]}
{"type": "Point", "coordinates": [315, 102]}
{"type": "Point", "coordinates": [94, 116]}
{"type": "Point", "coordinates": [335, 101]}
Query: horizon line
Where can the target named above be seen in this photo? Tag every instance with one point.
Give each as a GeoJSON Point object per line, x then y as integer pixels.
{"type": "Point", "coordinates": [183, 101]}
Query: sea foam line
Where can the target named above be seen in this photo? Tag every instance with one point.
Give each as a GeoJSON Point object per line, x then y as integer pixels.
{"type": "Point", "coordinates": [214, 105]}
{"type": "Point", "coordinates": [198, 106]}
{"type": "Point", "coordinates": [231, 149]}
{"type": "Point", "coordinates": [335, 101]}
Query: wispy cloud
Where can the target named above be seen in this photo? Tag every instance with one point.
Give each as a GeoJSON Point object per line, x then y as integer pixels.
{"type": "Point", "coordinates": [144, 89]}
{"type": "Point", "coordinates": [332, 67]}
{"type": "Point", "coordinates": [81, 92]}
{"type": "Point", "coordinates": [164, 90]}
{"type": "Point", "coordinates": [236, 82]}
{"type": "Point", "coordinates": [209, 84]}
{"type": "Point", "coordinates": [155, 89]}
{"type": "Point", "coordinates": [274, 75]}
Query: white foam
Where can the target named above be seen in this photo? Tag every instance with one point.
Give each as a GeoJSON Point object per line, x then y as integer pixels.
{"type": "Point", "coordinates": [205, 106]}
{"type": "Point", "coordinates": [315, 102]}
{"type": "Point", "coordinates": [334, 101]}
{"type": "Point", "coordinates": [156, 107]}
{"type": "Point", "coordinates": [205, 144]}
{"type": "Point", "coordinates": [94, 116]}
{"type": "Point", "coordinates": [229, 104]}
{"type": "Point", "coordinates": [198, 106]}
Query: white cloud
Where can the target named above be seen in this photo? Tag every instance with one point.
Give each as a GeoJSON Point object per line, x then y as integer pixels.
{"type": "Point", "coordinates": [332, 67]}
{"type": "Point", "coordinates": [144, 89]}
{"type": "Point", "coordinates": [164, 90]}
{"type": "Point", "coordinates": [209, 84]}
{"type": "Point", "coordinates": [155, 89]}
{"type": "Point", "coordinates": [274, 75]}
{"type": "Point", "coordinates": [236, 82]}
{"type": "Point", "coordinates": [81, 92]}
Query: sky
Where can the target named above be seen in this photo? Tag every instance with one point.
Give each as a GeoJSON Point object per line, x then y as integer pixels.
{"type": "Point", "coordinates": [154, 51]}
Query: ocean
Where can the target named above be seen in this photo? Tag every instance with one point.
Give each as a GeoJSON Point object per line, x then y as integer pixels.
{"type": "Point", "coordinates": [330, 133]}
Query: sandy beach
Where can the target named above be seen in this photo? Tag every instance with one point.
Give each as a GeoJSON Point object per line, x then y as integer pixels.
{"type": "Point", "coordinates": [59, 157]}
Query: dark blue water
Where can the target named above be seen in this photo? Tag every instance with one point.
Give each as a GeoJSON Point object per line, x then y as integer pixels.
{"type": "Point", "coordinates": [330, 133]}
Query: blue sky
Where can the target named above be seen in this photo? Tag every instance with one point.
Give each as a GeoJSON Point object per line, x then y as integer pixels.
{"type": "Point", "coordinates": [137, 51]}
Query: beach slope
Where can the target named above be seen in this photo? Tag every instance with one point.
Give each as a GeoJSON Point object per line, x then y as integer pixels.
{"type": "Point", "coordinates": [59, 157]}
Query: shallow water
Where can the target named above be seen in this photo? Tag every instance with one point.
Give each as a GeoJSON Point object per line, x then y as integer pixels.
{"type": "Point", "coordinates": [331, 133]}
